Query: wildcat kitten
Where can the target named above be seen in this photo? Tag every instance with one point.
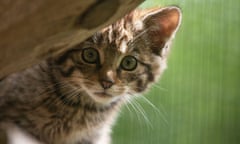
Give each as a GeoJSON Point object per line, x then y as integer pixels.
{"type": "Point", "coordinates": [75, 98]}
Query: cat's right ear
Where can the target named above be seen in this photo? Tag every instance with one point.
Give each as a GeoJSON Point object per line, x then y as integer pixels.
{"type": "Point", "coordinates": [161, 26]}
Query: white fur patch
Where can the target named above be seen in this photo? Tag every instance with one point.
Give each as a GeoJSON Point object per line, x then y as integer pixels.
{"type": "Point", "coordinates": [17, 136]}
{"type": "Point", "coordinates": [138, 25]}
{"type": "Point", "coordinates": [110, 73]}
{"type": "Point", "coordinates": [123, 47]}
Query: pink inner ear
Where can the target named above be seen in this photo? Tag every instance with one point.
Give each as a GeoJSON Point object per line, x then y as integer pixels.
{"type": "Point", "coordinates": [168, 21]}
{"type": "Point", "coordinates": [162, 24]}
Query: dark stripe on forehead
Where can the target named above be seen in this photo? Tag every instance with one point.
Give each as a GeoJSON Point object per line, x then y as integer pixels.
{"type": "Point", "coordinates": [123, 38]}
{"type": "Point", "coordinates": [128, 19]}
{"type": "Point", "coordinates": [114, 34]}
{"type": "Point", "coordinates": [117, 30]}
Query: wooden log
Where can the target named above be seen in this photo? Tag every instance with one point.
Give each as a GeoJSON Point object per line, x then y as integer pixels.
{"type": "Point", "coordinates": [33, 30]}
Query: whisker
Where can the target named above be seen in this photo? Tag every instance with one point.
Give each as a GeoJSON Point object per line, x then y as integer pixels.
{"type": "Point", "coordinates": [135, 109]}
{"type": "Point", "coordinates": [155, 109]}
{"type": "Point", "coordinates": [55, 101]}
{"type": "Point", "coordinates": [159, 87]}
{"type": "Point", "coordinates": [74, 94]}
{"type": "Point", "coordinates": [126, 99]}
{"type": "Point", "coordinates": [140, 110]}
{"type": "Point", "coordinates": [46, 91]}
{"type": "Point", "coordinates": [69, 93]}
{"type": "Point", "coordinates": [143, 113]}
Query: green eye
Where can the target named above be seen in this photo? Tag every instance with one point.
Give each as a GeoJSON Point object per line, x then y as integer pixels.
{"type": "Point", "coordinates": [129, 63]}
{"type": "Point", "coordinates": [90, 55]}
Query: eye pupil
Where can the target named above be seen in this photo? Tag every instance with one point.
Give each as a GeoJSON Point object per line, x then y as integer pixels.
{"type": "Point", "coordinates": [129, 63]}
{"type": "Point", "coordinates": [90, 55]}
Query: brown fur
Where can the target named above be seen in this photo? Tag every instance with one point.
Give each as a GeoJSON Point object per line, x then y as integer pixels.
{"type": "Point", "coordinates": [67, 100]}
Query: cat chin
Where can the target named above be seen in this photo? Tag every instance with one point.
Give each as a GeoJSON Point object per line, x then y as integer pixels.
{"type": "Point", "coordinates": [104, 99]}
{"type": "Point", "coordinates": [101, 97]}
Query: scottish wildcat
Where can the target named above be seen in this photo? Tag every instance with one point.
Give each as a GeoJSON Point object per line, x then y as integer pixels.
{"type": "Point", "coordinates": [75, 97]}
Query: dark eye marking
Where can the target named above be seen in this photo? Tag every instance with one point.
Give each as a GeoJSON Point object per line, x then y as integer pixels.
{"type": "Point", "coordinates": [148, 71]}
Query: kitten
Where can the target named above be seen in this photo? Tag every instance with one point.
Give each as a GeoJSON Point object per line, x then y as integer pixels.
{"type": "Point", "coordinates": [74, 98]}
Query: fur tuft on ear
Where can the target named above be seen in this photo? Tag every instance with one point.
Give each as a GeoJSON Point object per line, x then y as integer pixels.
{"type": "Point", "coordinates": [161, 25]}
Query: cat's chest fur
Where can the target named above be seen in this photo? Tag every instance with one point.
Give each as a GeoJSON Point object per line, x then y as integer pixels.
{"type": "Point", "coordinates": [83, 127]}
{"type": "Point", "coordinates": [76, 126]}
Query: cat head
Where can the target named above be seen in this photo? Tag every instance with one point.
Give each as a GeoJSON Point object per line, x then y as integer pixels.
{"type": "Point", "coordinates": [124, 58]}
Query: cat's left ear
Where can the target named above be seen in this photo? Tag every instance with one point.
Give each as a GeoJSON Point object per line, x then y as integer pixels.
{"type": "Point", "coordinates": [161, 26]}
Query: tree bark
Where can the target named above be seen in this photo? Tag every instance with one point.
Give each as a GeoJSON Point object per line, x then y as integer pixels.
{"type": "Point", "coordinates": [31, 30]}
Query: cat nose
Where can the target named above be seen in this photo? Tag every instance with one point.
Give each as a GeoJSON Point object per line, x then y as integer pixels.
{"type": "Point", "coordinates": [106, 84]}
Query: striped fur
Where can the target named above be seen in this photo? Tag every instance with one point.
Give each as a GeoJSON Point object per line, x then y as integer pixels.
{"type": "Point", "coordinates": [68, 100]}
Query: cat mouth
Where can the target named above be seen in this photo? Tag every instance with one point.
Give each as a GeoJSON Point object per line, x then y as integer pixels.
{"type": "Point", "coordinates": [103, 94]}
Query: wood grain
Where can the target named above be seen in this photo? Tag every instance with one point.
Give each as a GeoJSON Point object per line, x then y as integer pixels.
{"type": "Point", "coordinates": [33, 30]}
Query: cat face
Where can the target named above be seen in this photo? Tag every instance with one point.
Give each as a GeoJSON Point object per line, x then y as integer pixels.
{"type": "Point", "coordinates": [124, 58]}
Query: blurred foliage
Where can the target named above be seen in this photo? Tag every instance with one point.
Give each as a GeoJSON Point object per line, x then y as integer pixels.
{"type": "Point", "coordinates": [198, 98]}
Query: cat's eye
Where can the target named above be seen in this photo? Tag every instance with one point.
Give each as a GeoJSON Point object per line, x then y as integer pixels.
{"type": "Point", "coordinates": [129, 63]}
{"type": "Point", "coordinates": [90, 55]}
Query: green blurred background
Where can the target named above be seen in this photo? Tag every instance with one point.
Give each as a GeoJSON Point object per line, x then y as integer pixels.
{"type": "Point", "coordinates": [198, 98]}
